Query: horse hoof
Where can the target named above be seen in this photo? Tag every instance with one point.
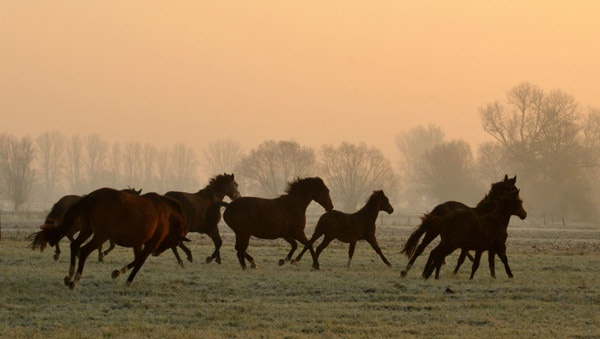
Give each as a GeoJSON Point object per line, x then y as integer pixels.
{"type": "Point", "coordinates": [254, 265]}
{"type": "Point", "coordinates": [56, 256]}
{"type": "Point", "coordinates": [281, 262]}
{"type": "Point", "coordinates": [128, 283]}
{"type": "Point", "coordinates": [100, 259]}
{"type": "Point", "coordinates": [403, 274]}
{"type": "Point", "coordinates": [190, 259]}
{"type": "Point", "coordinates": [67, 280]}
{"type": "Point", "coordinates": [316, 267]}
{"type": "Point", "coordinates": [218, 260]}
{"type": "Point", "coordinates": [115, 274]}
{"type": "Point", "coordinates": [389, 265]}
{"type": "Point", "coordinates": [209, 259]}
{"type": "Point", "coordinates": [510, 276]}
{"type": "Point", "coordinates": [293, 261]}
{"type": "Point", "coordinates": [72, 285]}
{"type": "Point", "coordinates": [243, 268]}
{"type": "Point", "coordinates": [181, 264]}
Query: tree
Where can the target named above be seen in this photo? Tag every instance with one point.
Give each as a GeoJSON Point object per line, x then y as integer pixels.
{"type": "Point", "coordinates": [184, 166]}
{"type": "Point", "coordinates": [74, 164]}
{"type": "Point", "coordinates": [549, 141]}
{"type": "Point", "coordinates": [268, 168]}
{"type": "Point", "coordinates": [96, 151]}
{"type": "Point", "coordinates": [352, 172]}
{"type": "Point", "coordinates": [222, 156]}
{"type": "Point", "coordinates": [114, 164]}
{"type": "Point", "coordinates": [132, 164]}
{"type": "Point", "coordinates": [51, 154]}
{"type": "Point", "coordinates": [16, 168]}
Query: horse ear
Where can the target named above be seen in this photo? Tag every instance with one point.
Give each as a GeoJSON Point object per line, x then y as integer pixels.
{"type": "Point", "coordinates": [506, 177]}
{"type": "Point", "coordinates": [232, 177]}
{"type": "Point", "coordinates": [514, 180]}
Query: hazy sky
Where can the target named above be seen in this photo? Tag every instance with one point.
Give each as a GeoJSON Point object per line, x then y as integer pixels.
{"type": "Point", "coordinates": [313, 71]}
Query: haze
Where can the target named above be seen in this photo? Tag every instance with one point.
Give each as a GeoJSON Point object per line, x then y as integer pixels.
{"type": "Point", "coordinates": [316, 72]}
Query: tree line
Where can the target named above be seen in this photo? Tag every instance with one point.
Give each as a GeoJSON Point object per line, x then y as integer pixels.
{"type": "Point", "coordinates": [547, 138]}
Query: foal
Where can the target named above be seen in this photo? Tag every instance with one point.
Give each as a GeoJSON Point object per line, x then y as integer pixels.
{"type": "Point", "coordinates": [350, 228]}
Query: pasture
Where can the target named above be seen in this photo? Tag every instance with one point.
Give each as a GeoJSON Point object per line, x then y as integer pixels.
{"type": "Point", "coordinates": [555, 292]}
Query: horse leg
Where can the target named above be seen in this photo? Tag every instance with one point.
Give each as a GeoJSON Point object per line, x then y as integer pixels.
{"type": "Point", "coordinates": [501, 250]}
{"type": "Point", "coordinates": [351, 252]}
{"type": "Point", "coordinates": [312, 240]}
{"type": "Point", "coordinates": [373, 242]}
{"type": "Point", "coordinates": [492, 262]}
{"type": "Point", "coordinates": [461, 260]}
{"type": "Point", "coordinates": [188, 252]}
{"type": "Point", "coordinates": [111, 246]}
{"type": "Point", "coordinates": [216, 238]}
{"type": "Point", "coordinates": [241, 244]}
{"type": "Point", "coordinates": [292, 250]}
{"type": "Point", "coordinates": [179, 261]}
{"type": "Point", "coordinates": [475, 263]}
{"type": "Point", "coordinates": [57, 252]}
{"type": "Point", "coordinates": [75, 245]}
{"type": "Point", "coordinates": [83, 254]}
{"type": "Point", "coordinates": [136, 253]}
{"type": "Point", "coordinates": [301, 237]}
{"type": "Point", "coordinates": [429, 236]}
{"type": "Point", "coordinates": [431, 261]}
{"type": "Point", "coordinates": [441, 260]}
{"type": "Point", "coordinates": [139, 260]}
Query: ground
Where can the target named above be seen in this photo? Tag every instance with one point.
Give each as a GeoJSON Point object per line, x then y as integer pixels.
{"type": "Point", "coordinates": [555, 292]}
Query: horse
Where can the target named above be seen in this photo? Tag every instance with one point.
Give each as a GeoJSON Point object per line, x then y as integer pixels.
{"type": "Point", "coordinates": [149, 223]}
{"type": "Point", "coordinates": [484, 206]}
{"type": "Point", "coordinates": [281, 217]}
{"type": "Point", "coordinates": [58, 211]}
{"type": "Point", "coordinates": [194, 207]}
{"type": "Point", "coordinates": [350, 228]}
{"type": "Point", "coordinates": [468, 230]}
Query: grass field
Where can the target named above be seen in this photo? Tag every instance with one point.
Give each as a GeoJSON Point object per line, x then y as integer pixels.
{"type": "Point", "coordinates": [555, 293]}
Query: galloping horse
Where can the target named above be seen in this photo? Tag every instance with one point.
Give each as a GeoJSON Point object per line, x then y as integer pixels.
{"type": "Point", "coordinates": [195, 205]}
{"type": "Point", "coordinates": [350, 228]}
{"type": "Point", "coordinates": [57, 213]}
{"type": "Point", "coordinates": [468, 230]}
{"type": "Point", "coordinates": [486, 205]}
{"type": "Point", "coordinates": [149, 223]}
{"type": "Point", "coordinates": [282, 217]}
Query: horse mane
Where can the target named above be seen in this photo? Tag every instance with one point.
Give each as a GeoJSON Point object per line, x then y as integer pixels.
{"type": "Point", "coordinates": [372, 197]}
{"type": "Point", "coordinates": [216, 182]}
{"type": "Point", "coordinates": [299, 185]}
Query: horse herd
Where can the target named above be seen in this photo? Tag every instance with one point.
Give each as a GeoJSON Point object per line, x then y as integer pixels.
{"type": "Point", "coordinates": [151, 223]}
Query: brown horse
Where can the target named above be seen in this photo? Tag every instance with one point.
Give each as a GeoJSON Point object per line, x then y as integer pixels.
{"type": "Point", "coordinates": [487, 204]}
{"type": "Point", "coordinates": [350, 228]}
{"type": "Point", "coordinates": [195, 205]}
{"type": "Point", "coordinates": [149, 223]}
{"type": "Point", "coordinates": [282, 217]}
{"type": "Point", "coordinates": [58, 212]}
{"type": "Point", "coordinates": [468, 230]}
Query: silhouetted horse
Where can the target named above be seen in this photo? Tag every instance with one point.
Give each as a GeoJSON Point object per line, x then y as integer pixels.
{"type": "Point", "coordinates": [484, 206]}
{"type": "Point", "coordinates": [57, 213]}
{"type": "Point", "coordinates": [468, 230]}
{"type": "Point", "coordinates": [282, 217]}
{"type": "Point", "coordinates": [195, 205]}
{"type": "Point", "coordinates": [350, 228]}
{"type": "Point", "coordinates": [149, 223]}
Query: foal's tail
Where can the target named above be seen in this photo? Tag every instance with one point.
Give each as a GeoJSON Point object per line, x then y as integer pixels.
{"type": "Point", "coordinates": [51, 234]}
{"type": "Point", "coordinates": [213, 214]}
{"type": "Point", "coordinates": [427, 222]}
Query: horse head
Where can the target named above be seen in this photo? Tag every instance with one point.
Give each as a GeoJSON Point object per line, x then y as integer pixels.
{"type": "Point", "coordinates": [384, 202]}
{"type": "Point", "coordinates": [321, 194]}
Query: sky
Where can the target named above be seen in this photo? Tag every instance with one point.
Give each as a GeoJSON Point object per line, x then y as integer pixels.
{"type": "Point", "coordinates": [312, 71]}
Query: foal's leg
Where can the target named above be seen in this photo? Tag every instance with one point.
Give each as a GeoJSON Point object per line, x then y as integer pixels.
{"type": "Point", "coordinates": [188, 252]}
{"type": "Point", "coordinates": [216, 238]}
{"type": "Point", "coordinates": [83, 254]}
{"type": "Point", "coordinates": [351, 252]}
{"type": "Point", "coordinates": [292, 242]}
{"type": "Point", "coordinates": [429, 236]}
{"type": "Point", "coordinates": [328, 239]}
{"type": "Point", "coordinates": [179, 261]}
{"type": "Point", "coordinates": [75, 246]}
{"type": "Point", "coordinates": [301, 237]}
{"type": "Point", "coordinates": [475, 263]}
{"type": "Point", "coordinates": [461, 260]}
{"type": "Point", "coordinates": [492, 262]}
{"type": "Point", "coordinates": [241, 245]}
{"type": "Point", "coordinates": [373, 242]}
{"type": "Point", "coordinates": [441, 260]}
{"type": "Point", "coordinates": [312, 240]}
{"type": "Point", "coordinates": [501, 250]}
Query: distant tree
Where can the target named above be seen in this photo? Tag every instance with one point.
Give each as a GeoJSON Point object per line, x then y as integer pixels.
{"type": "Point", "coordinates": [132, 164]}
{"type": "Point", "coordinates": [222, 156]}
{"type": "Point", "coordinates": [115, 164]}
{"type": "Point", "coordinates": [183, 167]}
{"type": "Point", "coordinates": [16, 168]}
{"type": "Point", "coordinates": [96, 151]}
{"type": "Point", "coordinates": [162, 170]}
{"type": "Point", "coordinates": [269, 167]}
{"type": "Point", "coordinates": [447, 173]}
{"type": "Point", "coordinates": [149, 154]}
{"type": "Point", "coordinates": [74, 165]}
{"type": "Point", "coordinates": [352, 172]}
{"type": "Point", "coordinates": [51, 154]}
{"type": "Point", "coordinates": [549, 140]}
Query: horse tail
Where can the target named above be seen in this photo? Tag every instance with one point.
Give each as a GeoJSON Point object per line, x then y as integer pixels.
{"type": "Point", "coordinates": [213, 214]}
{"type": "Point", "coordinates": [413, 240]}
{"type": "Point", "coordinates": [51, 234]}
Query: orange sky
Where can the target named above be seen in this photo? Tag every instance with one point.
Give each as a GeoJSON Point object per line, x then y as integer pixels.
{"type": "Point", "coordinates": [313, 71]}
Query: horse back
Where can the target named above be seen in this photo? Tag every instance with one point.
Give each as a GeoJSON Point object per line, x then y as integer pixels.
{"type": "Point", "coordinates": [447, 207]}
{"type": "Point", "coordinates": [343, 226]}
{"type": "Point", "coordinates": [193, 207]}
{"type": "Point", "coordinates": [263, 218]}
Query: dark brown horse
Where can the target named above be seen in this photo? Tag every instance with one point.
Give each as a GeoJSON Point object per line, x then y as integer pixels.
{"type": "Point", "coordinates": [350, 228]}
{"type": "Point", "coordinates": [486, 205]}
{"type": "Point", "coordinates": [195, 205]}
{"type": "Point", "coordinates": [149, 223]}
{"type": "Point", "coordinates": [57, 213]}
{"type": "Point", "coordinates": [468, 230]}
{"type": "Point", "coordinates": [282, 217]}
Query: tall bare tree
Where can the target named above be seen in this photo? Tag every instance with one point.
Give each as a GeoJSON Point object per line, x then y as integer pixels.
{"type": "Point", "coordinates": [51, 155]}
{"type": "Point", "coordinates": [16, 168]}
{"type": "Point", "coordinates": [96, 151]}
{"type": "Point", "coordinates": [74, 165]}
{"type": "Point", "coordinates": [222, 156]}
{"type": "Point", "coordinates": [132, 164]}
{"type": "Point", "coordinates": [352, 172]}
{"type": "Point", "coordinates": [184, 167]}
{"type": "Point", "coordinates": [268, 168]}
{"type": "Point", "coordinates": [115, 164]}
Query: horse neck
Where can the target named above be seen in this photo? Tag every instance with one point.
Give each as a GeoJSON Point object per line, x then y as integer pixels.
{"type": "Point", "coordinates": [502, 217]}
{"type": "Point", "coordinates": [486, 204]}
{"type": "Point", "coordinates": [370, 211]}
{"type": "Point", "coordinates": [212, 193]}
{"type": "Point", "coordinates": [302, 200]}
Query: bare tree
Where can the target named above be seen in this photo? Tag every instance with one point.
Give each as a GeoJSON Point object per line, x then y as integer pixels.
{"type": "Point", "coordinates": [132, 164]}
{"type": "Point", "coordinates": [162, 167]}
{"type": "Point", "coordinates": [115, 164]}
{"type": "Point", "coordinates": [148, 165]}
{"type": "Point", "coordinates": [96, 151]}
{"type": "Point", "coordinates": [16, 168]}
{"type": "Point", "coordinates": [51, 154]}
{"type": "Point", "coordinates": [269, 167]}
{"type": "Point", "coordinates": [352, 172]}
{"type": "Point", "coordinates": [184, 165]}
{"type": "Point", "coordinates": [222, 156]}
{"type": "Point", "coordinates": [74, 165]}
